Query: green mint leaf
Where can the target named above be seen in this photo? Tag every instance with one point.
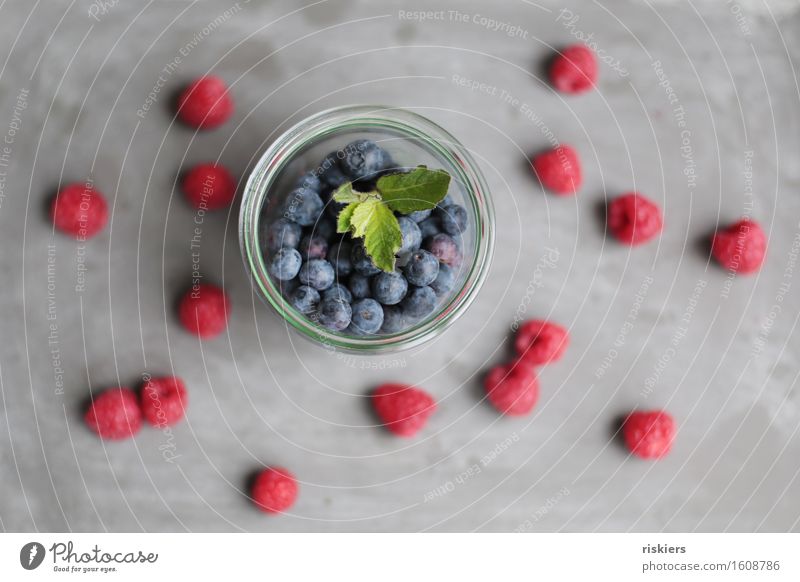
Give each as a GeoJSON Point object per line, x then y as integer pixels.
{"type": "Point", "coordinates": [362, 215]}
{"type": "Point", "coordinates": [420, 189]}
{"type": "Point", "coordinates": [370, 215]}
{"type": "Point", "coordinates": [346, 195]}
{"type": "Point", "coordinates": [383, 238]}
{"type": "Point", "coordinates": [375, 222]}
{"type": "Point", "coordinates": [345, 216]}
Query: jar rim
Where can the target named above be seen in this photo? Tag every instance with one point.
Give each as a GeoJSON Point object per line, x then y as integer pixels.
{"type": "Point", "coordinates": [405, 122]}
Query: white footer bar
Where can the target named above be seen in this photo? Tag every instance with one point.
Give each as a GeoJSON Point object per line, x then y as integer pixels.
{"type": "Point", "coordinates": [401, 557]}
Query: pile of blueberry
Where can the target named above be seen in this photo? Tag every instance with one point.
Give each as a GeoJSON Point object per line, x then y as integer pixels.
{"type": "Point", "coordinates": [329, 277]}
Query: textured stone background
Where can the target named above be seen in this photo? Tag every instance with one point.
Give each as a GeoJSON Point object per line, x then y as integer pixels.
{"type": "Point", "coordinates": [715, 357]}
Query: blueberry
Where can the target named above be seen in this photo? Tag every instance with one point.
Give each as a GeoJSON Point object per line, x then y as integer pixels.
{"type": "Point", "coordinates": [453, 219]}
{"type": "Point", "coordinates": [412, 237]}
{"type": "Point", "coordinates": [287, 287]}
{"type": "Point", "coordinates": [330, 173]}
{"type": "Point", "coordinates": [338, 291]}
{"type": "Point", "coordinates": [446, 201]}
{"type": "Point", "coordinates": [421, 269]}
{"type": "Point", "coordinates": [304, 299]}
{"type": "Point", "coordinates": [362, 158]}
{"type": "Point", "coordinates": [313, 247]}
{"type": "Point", "coordinates": [283, 233]}
{"type": "Point", "coordinates": [324, 227]}
{"type": "Point", "coordinates": [303, 206]}
{"type": "Point", "coordinates": [311, 181]}
{"type": "Point", "coordinates": [429, 227]}
{"type": "Point", "coordinates": [394, 320]}
{"type": "Point", "coordinates": [333, 209]}
{"type": "Point", "coordinates": [419, 302]}
{"type": "Point", "coordinates": [444, 248]}
{"type": "Point", "coordinates": [389, 288]}
{"type": "Point", "coordinates": [285, 264]}
{"type": "Point", "coordinates": [335, 314]}
{"type": "Point", "coordinates": [367, 317]}
{"type": "Point", "coordinates": [420, 215]}
{"type": "Point", "coordinates": [444, 281]}
{"type": "Point", "coordinates": [318, 274]}
{"type": "Point", "coordinates": [362, 262]}
{"type": "Point", "coordinates": [339, 256]}
{"type": "Point", "coordinates": [359, 286]}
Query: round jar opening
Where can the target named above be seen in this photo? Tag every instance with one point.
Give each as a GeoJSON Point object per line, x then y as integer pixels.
{"type": "Point", "coordinates": [411, 140]}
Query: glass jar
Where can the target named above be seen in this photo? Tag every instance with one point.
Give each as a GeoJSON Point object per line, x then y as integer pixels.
{"type": "Point", "coordinates": [411, 140]}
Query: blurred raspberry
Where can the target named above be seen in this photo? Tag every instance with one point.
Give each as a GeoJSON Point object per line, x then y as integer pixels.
{"type": "Point", "coordinates": [574, 69]}
{"type": "Point", "coordinates": [79, 211]}
{"type": "Point", "coordinates": [205, 103]}
{"type": "Point", "coordinates": [114, 414]}
{"type": "Point", "coordinates": [540, 342]}
{"type": "Point", "coordinates": [274, 490]}
{"type": "Point", "coordinates": [402, 409]}
{"type": "Point", "coordinates": [633, 219]}
{"type": "Point", "coordinates": [209, 186]}
{"type": "Point", "coordinates": [741, 247]}
{"type": "Point", "coordinates": [163, 401]}
{"type": "Point", "coordinates": [559, 170]}
{"type": "Point", "coordinates": [513, 388]}
{"type": "Point", "coordinates": [203, 310]}
{"type": "Point", "coordinates": [649, 435]}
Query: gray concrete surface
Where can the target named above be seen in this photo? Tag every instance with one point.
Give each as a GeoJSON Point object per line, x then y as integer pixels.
{"type": "Point", "coordinates": [697, 107]}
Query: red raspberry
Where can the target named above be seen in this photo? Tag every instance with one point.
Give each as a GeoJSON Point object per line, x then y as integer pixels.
{"type": "Point", "coordinates": [513, 388]}
{"type": "Point", "coordinates": [540, 342]}
{"type": "Point", "coordinates": [209, 186]}
{"type": "Point", "coordinates": [163, 401]}
{"type": "Point", "coordinates": [574, 70]}
{"type": "Point", "coordinates": [633, 219]}
{"type": "Point", "coordinates": [559, 170]}
{"type": "Point", "coordinates": [205, 103]}
{"type": "Point", "coordinates": [402, 409]}
{"type": "Point", "coordinates": [274, 490]}
{"type": "Point", "coordinates": [649, 434]}
{"type": "Point", "coordinates": [741, 247]}
{"type": "Point", "coordinates": [79, 210]}
{"type": "Point", "coordinates": [114, 414]}
{"type": "Point", "coordinates": [203, 310]}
